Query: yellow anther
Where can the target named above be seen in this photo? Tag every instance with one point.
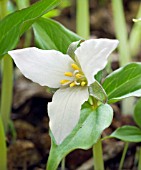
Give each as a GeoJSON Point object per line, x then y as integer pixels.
{"type": "Point", "coordinates": [64, 81]}
{"type": "Point", "coordinates": [78, 76]}
{"type": "Point", "coordinates": [72, 84]}
{"type": "Point", "coordinates": [75, 67]}
{"type": "Point", "coordinates": [69, 74]}
{"type": "Point", "coordinates": [83, 83]}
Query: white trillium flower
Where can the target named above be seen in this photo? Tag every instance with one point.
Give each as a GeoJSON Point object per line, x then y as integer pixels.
{"type": "Point", "coordinates": [57, 70]}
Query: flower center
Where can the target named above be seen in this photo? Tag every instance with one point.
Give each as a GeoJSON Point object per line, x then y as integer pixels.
{"type": "Point", "coordinates": [78, 76]}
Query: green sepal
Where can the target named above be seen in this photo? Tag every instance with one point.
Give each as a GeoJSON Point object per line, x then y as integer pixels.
{"type": "Point", "coordinates": [51, 90]}
{"type": "Point", "coordinates": [72, 47]}
{"type": "Point", "coordinates": [97, 91]}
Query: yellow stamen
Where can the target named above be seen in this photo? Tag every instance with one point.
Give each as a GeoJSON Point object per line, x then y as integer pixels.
{"type": "Point", "coordinates": [69, 74]}
{"type": "Point", "coordinates": [75, 67]}
{"type": "Point", "coordinates": [78, 76]}
{"type": "Point", "coordinates": [83, 83]}
{"type": "Point", "coordinates": [64, 81]}
{"type": "Point", "coordinates": [72, 84]}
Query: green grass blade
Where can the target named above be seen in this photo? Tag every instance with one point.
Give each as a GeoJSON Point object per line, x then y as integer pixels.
{"type": "Point", "coordinates": [135, 36]}
{"type": "Point", "coordinates": [121, 32]}
{"type": "Point", "coordinates": [3, 155]}
{"type": "Point", "coordinates": [7, 90]}
{"type": "Point", "coordinates": [82, 19]}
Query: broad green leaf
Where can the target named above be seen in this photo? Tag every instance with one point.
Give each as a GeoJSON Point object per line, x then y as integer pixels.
{"type": "Point", "coordinates": [85, 134]}
{"type": "Point", "coordinates": [124, 82]}
{"type": "Point", "coordinates": [127, 133]}
{"type": "Point", "coordinates": [12, 26]}
{"type": "Point", "coordinates": [50, 34]}
{"type": "Point", "coordinates": [137, 113]}
{"type": "Point", "coordinates": [98, 92]}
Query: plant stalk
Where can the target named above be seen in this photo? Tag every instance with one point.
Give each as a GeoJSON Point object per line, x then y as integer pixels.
{"type": "Point", "coordinates": [22, 4]}
{"type": "Point", "coordinates": [123, 156]}
{"type": "Point", "coordinates": [135, 36]}
{"type": "Point", "coordinates": [121, 32]}
{"type": "Point", "coordinates": [3, 155]}
{"type": "Point", "coordinates": [7, 90]}
{"type": "Point", "coordinates": [98, 156]}
{"type": "Point", "coordinates": [63, 164]}
{"type": "Point", "coordinates": [139, 162]}
{"type": "Point", "coordinates": [28, 35]}
{"type": "Point", "coordinates": [124, 50]}
{"type": "Point", "coordinates": [82, 19]}
{"type": "Point", "coordinates": [3, 150]}
{"type": "Point", "coordinates": [3, 8]}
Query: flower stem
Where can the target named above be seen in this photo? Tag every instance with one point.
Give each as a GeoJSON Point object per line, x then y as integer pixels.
{"type": "Point", "coordinates": [98, 156]}
{"type": "Point", "coordinates": [3, 8]}
{"type": "Point", "coordinates": [139, 162]}
{"type": "Point", "coordinates": [135, 36]}
{"type": "Point", "coordinates": [124, 50]}
{"type": "Point", "coordinates": [3, 149]}
{"type": "Point", "coordinates": [28, 35]}
{"type": "Point", "coordinates": [121, 32]}
{"type": "Point", "coordinates": [22, 4]}
{"type": "Point", "coordinates": [63, 164]}
{"type": "Point", "coordinates": [123, 156]}
{"type": "Point", "coordinates": [7, 90]}
{"type": "Point", "coordinates": [82, 19]}
{"type": "Point", "coordinates": [3, 155]}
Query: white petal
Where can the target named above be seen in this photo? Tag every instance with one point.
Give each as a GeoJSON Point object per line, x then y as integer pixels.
{"type": "Point", "coordinates": [92, 56]}
{"type": "Point", "coordinates": [45, 67]}
{"type": "Point", "coordinates": [64, 110]}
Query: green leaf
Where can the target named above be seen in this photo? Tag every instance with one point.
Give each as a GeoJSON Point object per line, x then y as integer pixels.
{"type": "Point", "coordinates": [50, 34]}
{"type": "Point", "coordinates": [85, 134]}
{"type": "Point", "coordinates": [124, 82]}
{"type": "Point", "coordinates": [127, 133]}
{"type": "Point", "coordinates": [98, 92]}
{"type": "Point", "coordinates": [137, 113]}
{"type": "Point", "coordinates": [99, 76]}
{"type": "Point", "coordinates": [15, 24]}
